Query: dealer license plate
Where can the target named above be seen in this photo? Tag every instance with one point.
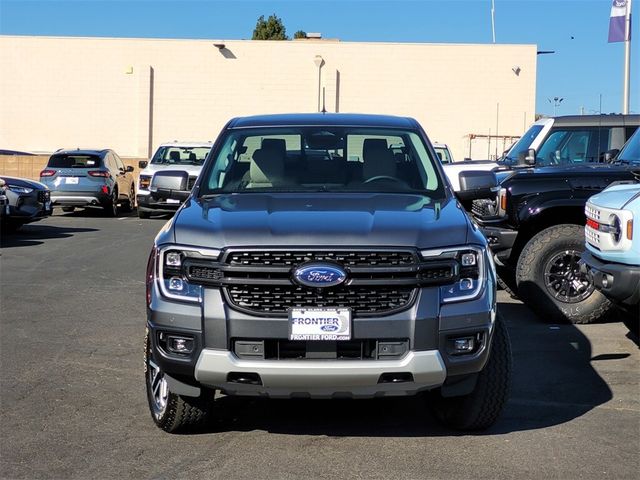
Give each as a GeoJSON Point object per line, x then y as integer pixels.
{"type": "Point", "coordinates": [71, 180]}
{"type": "Point", "coordinates": [320, 324]}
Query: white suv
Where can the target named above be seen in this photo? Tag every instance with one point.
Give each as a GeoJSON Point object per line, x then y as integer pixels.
{"type": "Point", "coordinates": [181, 156]}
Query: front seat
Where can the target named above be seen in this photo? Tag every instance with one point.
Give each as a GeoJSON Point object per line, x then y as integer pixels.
{"type": "Point", "coordinates": [378, 159]}
{"type": "Point", "coordinates": [267, 166]}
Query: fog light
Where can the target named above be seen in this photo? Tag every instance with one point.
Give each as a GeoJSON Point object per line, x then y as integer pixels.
{"type": "Point", "coordinates": [173, 259]}
{"type": "Point", "coordinates": [179, 344]}
{"type": "Point", "coordinates": [463, 344]}
{"type": "Point", "coordinates": [466, 284]}
{"type": "Point", "coordinates": [176, 284]}
{"type": "Point", "coordinates": [468, 259]}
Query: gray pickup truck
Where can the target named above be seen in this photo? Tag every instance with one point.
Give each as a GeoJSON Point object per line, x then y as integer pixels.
{"type": "Point", "coordinates": [323, 256]}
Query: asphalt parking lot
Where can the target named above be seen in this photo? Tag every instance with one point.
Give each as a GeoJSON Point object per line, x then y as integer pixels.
{"type": "Point", "coordinates": [73, 403]}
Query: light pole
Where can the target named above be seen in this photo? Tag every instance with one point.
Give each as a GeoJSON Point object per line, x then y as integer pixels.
{"type": "Point", "coordinates": [556, 103]}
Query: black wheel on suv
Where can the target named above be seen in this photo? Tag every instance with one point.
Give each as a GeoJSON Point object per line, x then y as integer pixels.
{"type": "Point", "coordinates": [172, 412]}
{"type": "Point", "coordinates": [481, 408]}
{"type": "Point", "coordinates": [550, 281]}
{"type": "Point", "coordinates": [111, 207]}
{"type": "Point", "coordinates": [68, 209]}
{"type": "Point", "coordinates": [130, 203]}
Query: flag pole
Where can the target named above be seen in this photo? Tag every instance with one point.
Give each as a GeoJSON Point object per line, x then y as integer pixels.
{"type": "Point", "coordinates": [493, 20]}
{"type": "Point", "coordinates": [627, 59]}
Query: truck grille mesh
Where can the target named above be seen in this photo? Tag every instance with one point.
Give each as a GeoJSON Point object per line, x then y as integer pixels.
{"type": "Point", "coordinates": [278, 299]}
{"type": "Point", "coordinates": [347, 259]}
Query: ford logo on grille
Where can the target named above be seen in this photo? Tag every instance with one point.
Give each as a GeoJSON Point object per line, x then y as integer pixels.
{"type": "Point", "coordinates": [319, 275]}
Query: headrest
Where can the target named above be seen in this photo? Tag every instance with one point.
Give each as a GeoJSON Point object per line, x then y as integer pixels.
{"type": "Point", "coordinates": [174, 156]}
{"type": "Point", "coordinates": [373, 145]}
{"type": "Point", "coordinates": [192, 157]}
{"type": "Point", "coordinates": [276, 143]}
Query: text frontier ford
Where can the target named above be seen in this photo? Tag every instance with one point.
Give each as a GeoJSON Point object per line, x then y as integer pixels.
{"type": "Point", "coordinates": [323, 256]}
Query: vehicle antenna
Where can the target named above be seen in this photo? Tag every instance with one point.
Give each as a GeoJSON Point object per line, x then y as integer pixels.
{"type": "Point", "coordinates": [324, 110]}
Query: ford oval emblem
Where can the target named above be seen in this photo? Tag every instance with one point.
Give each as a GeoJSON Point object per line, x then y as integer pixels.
{"type": "Point", "coordinates": [319, 275]}
{"type": "Point", "coordinates": [329, 328]}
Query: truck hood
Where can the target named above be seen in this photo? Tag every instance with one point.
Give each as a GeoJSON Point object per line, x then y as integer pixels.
{"type": "Point", "coordinates": [150, 169]}
{"type": "Point", "coordinates": [617, 197]}
{"type": "Point", "coordinates": [319, 219]}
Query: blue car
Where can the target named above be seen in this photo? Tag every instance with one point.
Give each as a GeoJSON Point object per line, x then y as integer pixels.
{"type": "Point", "coordinates": [612, 233]}
{"type": "Point", "coordinates": [89, 178]}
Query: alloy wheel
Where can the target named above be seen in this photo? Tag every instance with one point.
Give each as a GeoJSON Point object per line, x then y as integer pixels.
{"type": "Point", "coordinates": [564, 280]}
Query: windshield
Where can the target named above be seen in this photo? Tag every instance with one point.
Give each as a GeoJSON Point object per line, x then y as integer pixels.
{"type": "Point", "coordinates": [522, 145]}
{"type": "Point", "coordinates": [331, 159]}
{"type": "Point", "coordinates": [175, 155]}
{"type": "Point", "coordinates": [74, 161]}
{"type": "Point", "coordinates": [630, 153]}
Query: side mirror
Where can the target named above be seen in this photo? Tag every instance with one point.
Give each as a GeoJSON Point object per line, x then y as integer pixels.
{"type": "Point", "coordinates": [142, 164]}
{"type": "Point", "coordinates": [530, 157]}
{"type": "Point", "coordinates": [477, 184]}
{"type": "Point", "coordinates": [609, 155]}
{"type": "Point", "coordinates": [129, 168]}
{"type": "Point", "coordinates": [170, 184]}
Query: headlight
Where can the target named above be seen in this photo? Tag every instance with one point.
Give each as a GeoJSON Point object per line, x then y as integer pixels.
{"type": "Point", "coordinates": [18, 189]}
{"type": "Point", "coordinates": [145, 181]}
{"type": "Point", "coordinates": [471, 262]}
{"type": "Point", "coordinates": [171, 275]}
{"type": "Point", "coordinates": [616, 229]}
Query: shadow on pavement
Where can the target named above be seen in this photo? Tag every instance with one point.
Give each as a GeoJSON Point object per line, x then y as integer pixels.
{"type": "Point", "coordinates": [35, 234]}
{"type": "Point", "coordinates": [553, 383]}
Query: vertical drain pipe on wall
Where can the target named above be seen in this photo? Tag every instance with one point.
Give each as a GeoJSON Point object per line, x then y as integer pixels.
{"type": "Point", "coordinates": [319, 61]}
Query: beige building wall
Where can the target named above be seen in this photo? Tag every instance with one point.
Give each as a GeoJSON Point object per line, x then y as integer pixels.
{"type": "Point", "coordinates": [133, 94]}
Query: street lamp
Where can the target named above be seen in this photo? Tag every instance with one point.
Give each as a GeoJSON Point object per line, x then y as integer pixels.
{"type": "Point", "coordinates": [556, 103]}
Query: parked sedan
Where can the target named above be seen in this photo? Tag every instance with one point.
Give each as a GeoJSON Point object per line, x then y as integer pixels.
{"type": "Point", "coordinates": [23, 201]}
{"type": "Point", "coordinates": [89, 178]}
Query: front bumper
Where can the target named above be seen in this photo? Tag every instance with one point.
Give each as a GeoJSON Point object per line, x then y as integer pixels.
{"type": "Point", "coordinates": [25, 208]}
{"type": "Point", "coordinates": [426, 325]}
{"type": "Point", "coordinates": [321, 378]}
{"type": "Point", "coordinates": [618, 281]}
{"type": "Point", "coordinates": [147, 203]}
{"type": "Point", "coordinates": [500, 239]}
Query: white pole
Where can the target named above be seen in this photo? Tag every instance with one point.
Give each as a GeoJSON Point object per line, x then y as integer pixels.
{"type": "Point", "coordinates": [493, 20]}
{"type": "Point", "coordinates": [627, 58]}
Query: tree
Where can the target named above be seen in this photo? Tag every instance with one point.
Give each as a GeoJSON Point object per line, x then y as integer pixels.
{"type": "Point", "coordinates": [300, 34]}
{"type": "Point", "coordinates": [270, 29]}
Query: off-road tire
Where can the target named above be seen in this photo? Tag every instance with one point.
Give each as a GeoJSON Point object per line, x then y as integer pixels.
{"type": "Point", "coordinates": [530, 277]}
{"type": "Point", "coordinates": [181, 413]}
{"type": "Point", "coordinates": [481, 408]}
{"type": "Point", "coordinates": [143, 214]}
{"type": "Point", "coordinates": [68, 209]}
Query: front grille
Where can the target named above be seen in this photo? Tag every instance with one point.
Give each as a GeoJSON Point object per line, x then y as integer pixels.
{"type": "Point", "coordinates": [348, 259]}
{"type": "Point", "coordinates": [484, 208]}
{"type": "Point", "coordinates": [44, 196]}
{"type": "Point", "coordinates": [278, 299]}
{"type": "Point", "coordinates": [203, 273]}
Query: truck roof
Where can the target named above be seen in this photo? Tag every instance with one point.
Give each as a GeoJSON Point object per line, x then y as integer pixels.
{"type": "Point", "coordinates": [319, 119]}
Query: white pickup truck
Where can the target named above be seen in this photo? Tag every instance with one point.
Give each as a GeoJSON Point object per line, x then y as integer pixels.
{"type": "Point", "coordinates": [182, 156]}
{"type": "Point", "coordinates": [532, 138]}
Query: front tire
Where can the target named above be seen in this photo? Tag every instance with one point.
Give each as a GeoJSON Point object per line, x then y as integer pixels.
{"type": "Point", "coordinates": [130, 203]}
{"type": "Point", "coordinates": [172, 412]}
{"type": "Point", "coordinates": [549, 279]}
{"type": "Point", "coordinates": [68, 209]}
{"type": "Point", "coordinates": [482, 407]}
{"type": "Point", "coordinates": [143, 214]}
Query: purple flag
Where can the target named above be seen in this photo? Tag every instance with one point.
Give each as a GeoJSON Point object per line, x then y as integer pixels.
{"type": "Point", "coordinates": [617, 21]}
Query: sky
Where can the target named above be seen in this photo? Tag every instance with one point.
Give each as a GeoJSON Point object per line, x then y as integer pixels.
{"type": "Point", "coordinates": [585, 71]}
